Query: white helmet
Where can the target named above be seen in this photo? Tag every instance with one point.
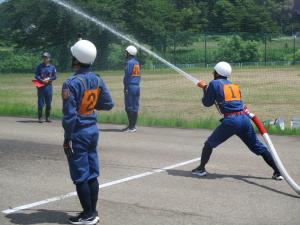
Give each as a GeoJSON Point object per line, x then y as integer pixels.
{"type": "Point", "coordinates": [84, 51]}
{"type": "Point", "coordinates": [223, 69]}
{"type": "Point", "coordinates": [131, 50]}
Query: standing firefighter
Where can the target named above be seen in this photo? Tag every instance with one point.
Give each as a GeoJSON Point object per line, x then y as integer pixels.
{"type": "Point", "coordinates": [235, 122]}
{"type": "Point", "coordinates": [132, 79]}
{"type": "Point", "coordinates": [82, 93]}
{"type": "Point", "coordinates": [45, 74]}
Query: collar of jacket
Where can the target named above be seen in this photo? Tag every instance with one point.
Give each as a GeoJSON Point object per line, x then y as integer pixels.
{"type": "Point", "coordinates": [221, 77]}
{"type": "Point", "coordinates": [130, 57]}
{"type": "Point", "coordinates": [83, 70]}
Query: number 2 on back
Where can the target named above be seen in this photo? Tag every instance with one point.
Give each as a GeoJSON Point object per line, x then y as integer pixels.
{"type": "Point", "coordinates": [232, 92]}
{"type": "Point", "coordinates": [89, 100]}
{"type": "Point", "coordinates": [92, 101]}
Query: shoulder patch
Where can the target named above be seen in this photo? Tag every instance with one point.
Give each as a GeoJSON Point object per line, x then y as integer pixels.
{"type": "Point", "coordinates": [100, 81]}
{"type": "Point", "coordinates": [66, 93]}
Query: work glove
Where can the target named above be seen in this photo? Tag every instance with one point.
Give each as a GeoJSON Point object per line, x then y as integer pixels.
{"type": "Point", "coordinates": [202, 84]}
{"type": "Point", "coordinates": [45, 82]}
{"type": "Point", "coordinates": [68, 148]}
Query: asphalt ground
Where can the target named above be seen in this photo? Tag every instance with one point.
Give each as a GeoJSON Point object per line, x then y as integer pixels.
{"type": "Point", "coordinates": [238, 189]}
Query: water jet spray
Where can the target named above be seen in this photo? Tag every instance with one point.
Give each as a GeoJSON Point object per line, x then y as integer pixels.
{"type": "Point", "coordinates": [195, 81]}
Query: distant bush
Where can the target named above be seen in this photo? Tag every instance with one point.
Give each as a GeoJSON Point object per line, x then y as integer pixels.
{"type": "Point", "coordinates": [185, 56]}
{"type": "Point", "coordinates": [17, 61]}
{"type": "Point", "coordinates": [115, 58]}
{"type": "Point", "coordinates": [227, 48]}
{"type": "Point", "coordinates": [291, 56]}
{"type": "Point", "coordinates": [278, 54]}
{"type": "Point", "coordinates": [235, 49]}
{"type": "Point", "coordinates": [231, 48]}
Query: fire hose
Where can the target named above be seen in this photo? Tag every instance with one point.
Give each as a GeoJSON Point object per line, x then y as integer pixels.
{"type": "Point", "coordinates": [262, 130]}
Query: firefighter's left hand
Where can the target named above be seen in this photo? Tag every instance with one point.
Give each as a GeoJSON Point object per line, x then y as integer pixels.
{"type": "Point", "coordinates": [202, 84]}
{"type": "Point", "coordinates": [68, 148]}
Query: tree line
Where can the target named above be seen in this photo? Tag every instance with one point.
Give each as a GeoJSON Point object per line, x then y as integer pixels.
{"type": "Point", "coordinates": [163, 25]}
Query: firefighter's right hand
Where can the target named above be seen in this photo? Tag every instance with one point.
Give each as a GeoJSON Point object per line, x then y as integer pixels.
{"type": "Point", "coordinates": [68, 148]}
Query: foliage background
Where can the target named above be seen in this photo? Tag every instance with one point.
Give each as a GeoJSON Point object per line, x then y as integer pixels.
{"type": "Point", "coordinates": [183, 32]}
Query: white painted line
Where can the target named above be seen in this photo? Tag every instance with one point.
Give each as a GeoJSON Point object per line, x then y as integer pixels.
{"type": "Point", "coordinates": [108, 184]}
{"type": "Point", "coordinates": [42, 202]}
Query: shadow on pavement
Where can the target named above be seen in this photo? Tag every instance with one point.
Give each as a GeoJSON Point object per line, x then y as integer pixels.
{"type": "Point", "coordinates": [27, 121]}
{"type": "Point", "coordinates": [211, 176]}
{"type": "Point", "coordinates": [40, 216]}
{"type": "Point", "coordinates": [111, 130]}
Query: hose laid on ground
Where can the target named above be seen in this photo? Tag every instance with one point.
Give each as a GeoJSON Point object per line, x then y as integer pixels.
{"type": "Point", "coordinates": [262, 130]}
{"type": "Point", "coordinates": [273, 151]}
{"type": "Point", "coordinates": [270, 147]}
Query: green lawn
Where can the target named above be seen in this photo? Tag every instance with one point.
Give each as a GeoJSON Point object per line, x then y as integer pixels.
{"type": "Point", "coordinates": [168, 99]}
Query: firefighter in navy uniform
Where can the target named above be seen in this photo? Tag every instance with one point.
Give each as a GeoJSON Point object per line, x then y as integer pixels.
{"type": "Point", "coordinates": [235, 122]}
{"type": "Point", "coordinates": [132, 79]}
{"type": "Point", "coordinates": [82, 93]}
{"type": "Point", "coordinates": [46, 74]}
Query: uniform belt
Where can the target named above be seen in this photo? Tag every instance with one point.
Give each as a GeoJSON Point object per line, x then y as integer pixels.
{"type": "Point", "coordinates": [234, 113]}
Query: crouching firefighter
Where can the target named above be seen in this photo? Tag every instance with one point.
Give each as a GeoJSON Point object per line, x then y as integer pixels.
{"type": "Point", "coordinates": [45, 74]}
{"type": "Point", "coordinates": [235, 122]}
{"type": "Point", "coordinates": [132, 79]}
{"type": "Point", "coordinates": [82, 93]}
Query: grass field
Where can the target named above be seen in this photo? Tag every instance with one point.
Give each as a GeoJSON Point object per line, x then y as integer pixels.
{"type": "Point", "coordinates": [168, 99]}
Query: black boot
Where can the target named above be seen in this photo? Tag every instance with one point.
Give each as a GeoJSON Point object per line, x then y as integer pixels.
{"type": "Point", "coordinates": [134, 119]}
{"type": "Point", "coordinates": [270, 161]}
{"type": "Point", "coordinates": [48, 111]}
{"type": "Point", "coordinates": [40, 114]}
{"type": "Point", "coordinates": [131, 120]}
{"type": "Point", "coordinates": [128, 117]}
{"type": "Point", "coordinates": [131, 128]}
{"type": "Point", "coordinates": [206, 153]}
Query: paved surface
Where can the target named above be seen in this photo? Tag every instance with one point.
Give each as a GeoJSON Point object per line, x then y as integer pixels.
{"type": "Point", "coordinates": [238, 190]}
